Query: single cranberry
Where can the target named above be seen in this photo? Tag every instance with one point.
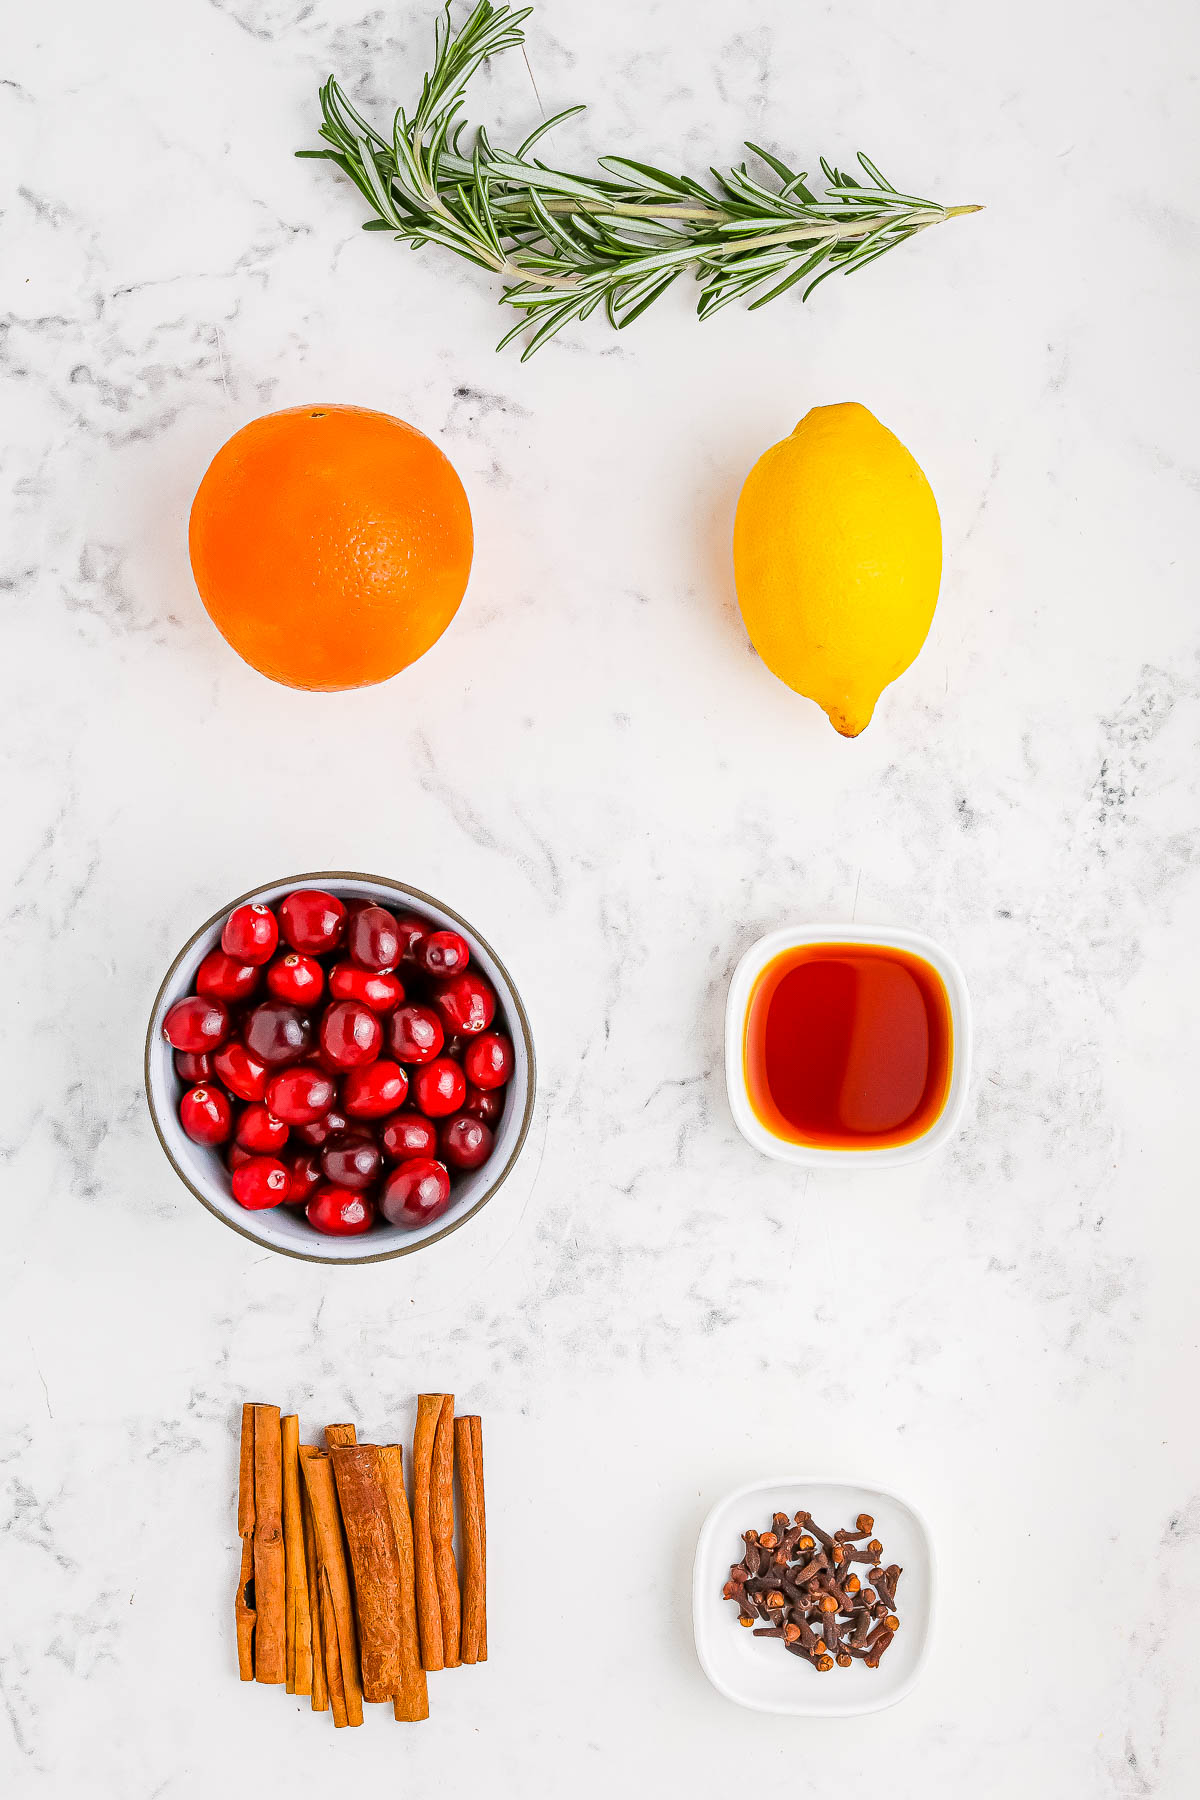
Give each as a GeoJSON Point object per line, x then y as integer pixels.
{"type": "Point", "coordinates": [304, 1177]}
{"type": "Point", "coordinates": [415, 1033]}
{"type": "Point", "coordinates": [486, 1106]}
{"type": "Point", "coordinates": [321, 1131]}
{"type": "Point", "coordinates": [466, 1003]}
{"type": "Point", "coordinates": [296, 977]}
{"type": "Point", "coordinates": [251, 933]}
{"type": "Point", "coordinates": [192, 1066]}
{"type": "Point", "coordinates": [415, 1193]}
{"type": "Point", "coordinates": [260, 1183]}
{"type": "Point", "coordinates": [442, 953]}
{"type": "Point", "coordinates": [340, 1212]}
{"type": "Point", "coordinates": [375, 1091]}
{"type": "Point", "coordinates": [488, 1062]}
{"type": "Point", "coordinates": [408, 1134]}
{"type": "Point", "coordinates": [260, 1132]}
{"type": "Point", "coordinates": [410, 930]}
{"type": "Point", "coordinates": [300, 1095]}
{"type": "Point", "coordinates": [197, 1024]}
{"type": "Point", "coordinates": [277, 1032]}
{"type": "Point", "coordinates": [206, 1115]}
{"type": "Point", "coordinates": [312, 921]}
{"type": "Point", "coordinates": [372, 938]}
{"type": "Point", "coordinates": [465, 1143]}
{"type": "Point", "coordinates": [375, 988]}
{"type": "Point", "coordinates": [351, 1035]}
{"type": "Point", "coordinates": [226, 976]}
{"type": "Point", "coordinates": [241, 1072]}
{"type": "Point", "coordinates": [353, 1162]}
{"type": "Point", "coordinates": [235, 1156]}
{"type": "Point", "coordinates": [439, 1088]}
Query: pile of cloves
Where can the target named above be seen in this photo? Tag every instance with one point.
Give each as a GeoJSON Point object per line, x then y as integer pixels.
{"type": "Point", "coordinates": [800, 1582]}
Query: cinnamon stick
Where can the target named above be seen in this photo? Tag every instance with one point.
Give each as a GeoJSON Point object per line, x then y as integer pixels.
{"type": "Point", "coordinates": [337, 1614]}
{"type": "Point", "coordinates": [333, 1667]}
{"type": "Point", "coordinates": [412, 1699]}
{"type": "Point", "coordinates": [243, 1605]}
{"type": "Point", "coordinates": [270, 1631]}
{"type": "Point", "coordinates": [477, 1448]}
{"type": "Point", "coordinates": [469, 1448]}
{"type": "Point", "coordinates": [441, 1527]}
{"type": "Point", "coordinates": [429, 1611]}
{"type": "Point", "coordinates": [320, 1689]}
{"type": "Point", "coordinates": [338, 1435]}
{"type": "Point", "coordinates": [358, 1470]}
{"type": "Point", "coordinates": [299, 1617]}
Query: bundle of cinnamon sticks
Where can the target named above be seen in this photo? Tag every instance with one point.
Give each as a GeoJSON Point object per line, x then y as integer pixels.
{"type": "Point", "coordinates": [346, 1591]}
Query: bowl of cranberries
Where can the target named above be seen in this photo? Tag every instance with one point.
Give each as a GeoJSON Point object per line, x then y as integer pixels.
{"type": "Point", "coordinates": [340, 1068]}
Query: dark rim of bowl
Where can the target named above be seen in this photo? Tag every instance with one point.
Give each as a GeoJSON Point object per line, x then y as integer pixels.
{"type": "Point", "coordinates": [328, 878]}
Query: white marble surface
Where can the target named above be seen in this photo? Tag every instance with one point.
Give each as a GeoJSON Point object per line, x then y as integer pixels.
{"type": "Point", "coordinates": [594, 767]}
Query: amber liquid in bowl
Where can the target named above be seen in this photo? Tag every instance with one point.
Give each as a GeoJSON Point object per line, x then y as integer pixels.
{"type": "Point", "coordinates": [848, 1046]}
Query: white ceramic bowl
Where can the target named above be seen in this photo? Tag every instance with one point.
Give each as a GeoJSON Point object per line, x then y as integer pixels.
{"type": "Point", "coordinates": [285, 1228]}
{"type": "Point", "coordinates": [813, 1156]}
{"type": "Point", "coordinates": [757, 1672]}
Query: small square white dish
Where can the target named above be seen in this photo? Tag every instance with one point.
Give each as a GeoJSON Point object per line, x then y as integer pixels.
{"type": "Point", "coordinates": [814, 1156]}
{"type": "Point", "coordinates": [757, 1672]}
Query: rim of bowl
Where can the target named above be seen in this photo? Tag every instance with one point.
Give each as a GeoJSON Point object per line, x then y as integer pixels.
{"type": "Point", "coordinates": [328, 877]}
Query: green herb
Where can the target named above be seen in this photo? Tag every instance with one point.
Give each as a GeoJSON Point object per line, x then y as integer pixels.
{"type": "Point", "coordinates": [569, 244]}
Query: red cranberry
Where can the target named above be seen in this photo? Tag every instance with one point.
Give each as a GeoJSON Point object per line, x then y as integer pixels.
{"type": "Point", "coordinates": [415, 1034]}
{"type": "Point", "coordinates": [486, 1106]}
{"type": "Point", "coordinates": [206, 1115]}
{"type": "Point", "coordinates": [465, 1003]}
{"type": "Point", "coordinates": [340, 1212]}
{"type": "Point", "coordinates": [298, 1096]}
{"type": "Point", "coordinates": [304, 1177]}
{"type": "Point", "coordinates": [466, 1143]}
{"type": "Point", "coordinates": [251, 934]}
{"type": "Point", "coordinates": [226, 976]}
{"type": "Point", "coordinates": [442, 953]}
{"type": "Point", "coordinates": [372, 938]}
{"type": "Point", "coordinates": [241, 1072]}
{"type": "Point", "coordinates": [260, 1132]}
{"type": "Point", "coordinates": [296, 977]}
{"type": "Point", "coordinates": [351, 1035]}
{"type": "Point", "coordinates": [277, 1032]}
{"type": "Point", "coordinates": [415, 1193]}
{"type": "Point", "coordinates": [373, 1092]}
{"type": "Point", "coordinates": [197, 1024]}
{"type": "Point", "coordinates": [192, 1066]}
{"type": "Point", "coordinates": [408, 1134]}
{"type": "Point", "coordinates": [439, 1088]}
{"type": "Point", "coordinates": [260, 1183]}
{"type": "Point", "coordinates": [353, 1162]}
{"type": "Point", "coordinates": [312, 920]}
{"type": "Point", "coordinates": [321, 1131]}
{"type": "Point", "coordinates": [488, 1062]}
{"type": "Point", "coordinates": [235, 1156]}
{"type": "Point", "coordinates": [410, 930]}
{"type": "Point", "coordinates": [375, 988]}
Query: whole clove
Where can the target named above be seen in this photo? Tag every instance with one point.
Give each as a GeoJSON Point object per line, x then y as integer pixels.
{"type": "Point", "coordinates": [797, 1580]}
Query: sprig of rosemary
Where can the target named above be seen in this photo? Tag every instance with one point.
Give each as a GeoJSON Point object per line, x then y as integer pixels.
{"type": "Point", "coordinates": [568, 244]}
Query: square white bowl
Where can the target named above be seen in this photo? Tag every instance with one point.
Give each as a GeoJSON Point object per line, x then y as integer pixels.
{"type": "Point", "coordinates": [812, 1156]}
{"type": "Point", "coordinates": [758, 1672]}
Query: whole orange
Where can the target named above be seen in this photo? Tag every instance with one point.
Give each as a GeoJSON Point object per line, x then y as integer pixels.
{"type": "Point", "coordinates": [331, 545]}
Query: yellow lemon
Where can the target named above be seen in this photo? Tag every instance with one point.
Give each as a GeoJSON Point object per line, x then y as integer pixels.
{"type": "Point", "coordinates": [837, 554]}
